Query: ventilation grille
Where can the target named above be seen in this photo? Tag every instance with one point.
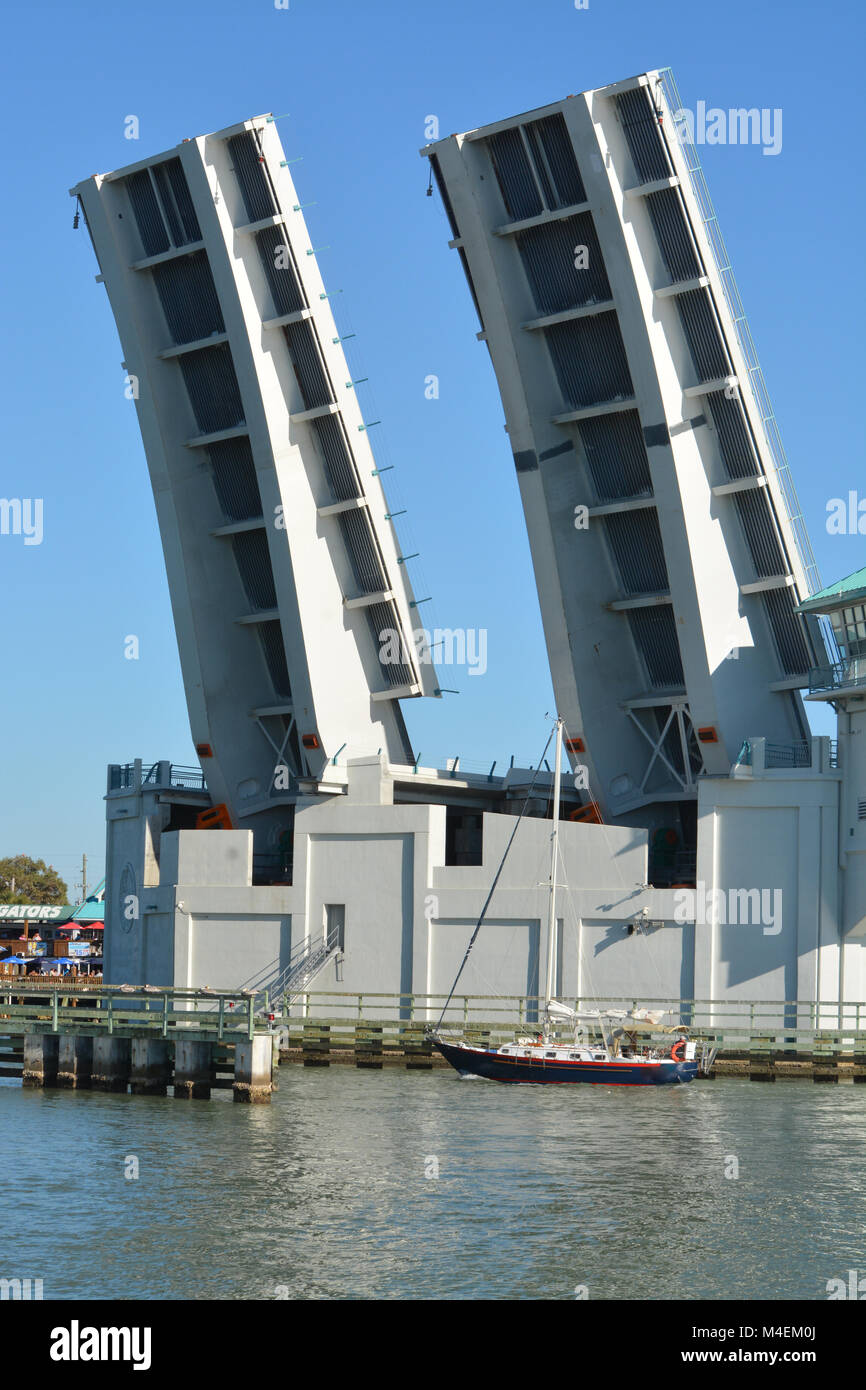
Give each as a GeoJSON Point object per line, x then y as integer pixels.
{"type": "Point", "coordinates": [672, 234]}
{"type": "Point", "coordinates": [641, 128]}
{"type": "Point", "coordinates": [589, 360]}
{"type": "Point", "coordinates": [760, 531]}
{"type": "Point", "coordinates": [176, 202]}
{"type": "Point", "coordinates": [636, 544]}
{"type": "Point", "coordinates": [146, 211]}
{"type": "Point", "coordinates": [271, 636]}
{"type": "Point", "coordinates": [168, 219]}
{"type": "Point", "coordinates": [734, 439]}
{"type": "Point", "coordinates": [861, 809]}
{"type": "Point", "coordinates": [188, 297]}
{"type": "Point", "coordinates": [616, 456]}
{"type": "Point", "coordinates": [213, 388]}
{"type": "Point", "coordinates": [363, 552]}
{"type": "Point", "coordinates": [313, 380]}
{"type": "Point", "coordinates": [385, 629]}
{"type": "Point", "coordinates": [555, 164]}
{"type": "Point", "coordinates": [549, 253]}
{"type": "Point", "coordinates": [234, 478]}
{"type": "Point", "coordinates": [655, 634]}
{"type": "Point", "coordinates": [254, 564]}
{"type": "Point", "coordinates": [547, 177]}
{"type": "Point", "coordinates": [702, 335]}
{"type": "Point", "coordinates": [250, 173]}
{"type": "Point", "coordinates": [280, 269]}
{"type": "Point", "coordinates": [514, 175]}
{"type": "Point", "coordinates": [787, 631]}
{"type": "Point", "coordinates": [338, 462]}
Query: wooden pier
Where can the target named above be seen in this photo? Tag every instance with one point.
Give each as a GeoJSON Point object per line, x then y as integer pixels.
{"type": "Point", "coordinates": [147, 1040]}
{"type": "Point", "coordinates": [764, 1041]}
{"type": "Point", "coordinates": [195, 1042]}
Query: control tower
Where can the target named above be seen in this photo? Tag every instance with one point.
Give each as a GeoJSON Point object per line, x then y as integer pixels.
{"type": "Point", "coordinates": [669, 551]}
{"type": "Point", "coordinates": [843, 685]}
{"type": "Point", "coordinates": [289, 592]}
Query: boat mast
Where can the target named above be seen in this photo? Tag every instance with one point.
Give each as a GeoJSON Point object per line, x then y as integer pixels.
{"type": "Point", "coordinates": [554, 855]}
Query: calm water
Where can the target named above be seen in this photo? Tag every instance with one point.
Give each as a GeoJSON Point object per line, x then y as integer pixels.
{"type": "Point", "coordinates": [325, 1193]}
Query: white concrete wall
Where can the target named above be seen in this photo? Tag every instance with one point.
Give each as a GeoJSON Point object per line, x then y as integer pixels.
{"type": "Point", "coordinates": [772, 830]}
{"type": "Point", "coordinates": [409, 917]}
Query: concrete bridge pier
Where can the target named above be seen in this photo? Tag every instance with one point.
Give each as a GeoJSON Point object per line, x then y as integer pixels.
{"type": "Point", "coordinates": [151, 1067]}
{"type": "Point", "coordinates": [254, 1070]}
{"type": "Point", "coordinates": [75, 1067]}
{"type": "Point", "coordinates": [192, 1070]}
{"type": "Point", "coordinates": [41, 1054]}
{"type": "Point", "coordinates": [110, 1064]}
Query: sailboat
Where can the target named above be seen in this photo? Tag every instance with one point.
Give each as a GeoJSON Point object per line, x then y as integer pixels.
{"type": "Point", "coordinates": [621, 1059]}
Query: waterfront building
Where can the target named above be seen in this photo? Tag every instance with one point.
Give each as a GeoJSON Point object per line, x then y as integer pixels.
{"type": "Point", "coordinates": [391, 872]}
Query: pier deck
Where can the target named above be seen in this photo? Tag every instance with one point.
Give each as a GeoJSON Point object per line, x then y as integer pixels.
{"type": "Point", "coordinates": [197, 1041]}
{"type": "Point", "coordinates": [113, 1038]}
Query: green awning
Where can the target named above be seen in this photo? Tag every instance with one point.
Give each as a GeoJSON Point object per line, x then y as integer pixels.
{"type": "Point", "coordinates": [849, 590]}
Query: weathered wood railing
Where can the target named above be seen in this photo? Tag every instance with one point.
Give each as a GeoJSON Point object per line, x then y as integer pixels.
{"type": "Point", "coordinates": [374, 1029]}
{"type": "Point", "coordinates": [47, 1007]}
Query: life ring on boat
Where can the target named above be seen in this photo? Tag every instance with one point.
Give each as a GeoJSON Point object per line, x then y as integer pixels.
{"type": "Point", "coordinates": [678, 1051]}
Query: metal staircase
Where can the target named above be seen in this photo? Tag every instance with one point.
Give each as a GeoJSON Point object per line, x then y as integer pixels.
{"type": "Point", "coordinates": [306, 960]}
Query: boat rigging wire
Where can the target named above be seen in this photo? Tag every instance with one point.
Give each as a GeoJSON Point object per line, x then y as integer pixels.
{"type": "Point", "coordinates": [487, 900]}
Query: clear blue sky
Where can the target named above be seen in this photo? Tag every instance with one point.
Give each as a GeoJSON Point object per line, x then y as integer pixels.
{"type": "Point", "coordinates": [358, 80]}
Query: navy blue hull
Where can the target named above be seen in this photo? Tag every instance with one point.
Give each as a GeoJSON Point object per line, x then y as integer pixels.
{"type": "Point", "coordinates": [546, 1071]}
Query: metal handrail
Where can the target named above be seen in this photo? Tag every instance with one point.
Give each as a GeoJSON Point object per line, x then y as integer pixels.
{"type": "Point", "coordinates": [744, 335]}
{"type": "Point", "coordinates": [851, 671]}
{"type": "Point", "coordinates": [797, 754]}
{"type": "Point", "coordinates": [189, 778]}
{"type": "Point", "coordinates": [305, 961]}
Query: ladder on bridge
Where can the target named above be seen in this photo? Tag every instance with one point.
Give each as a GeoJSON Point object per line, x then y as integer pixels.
{"type": "Point", "coordinates": [307, 959]}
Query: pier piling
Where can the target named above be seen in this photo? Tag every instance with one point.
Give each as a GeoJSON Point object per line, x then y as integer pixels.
{"type": "Point", "coordinates": [150, 1067]}
{"type": "Point", "coordinates": [75, 1067]}
{"type": "Point", "coordinates": [111, 1059]}
{"type": "Point", "coordinates": [192, 1070]}
{"type": "Point", "coordinates": [41, 1055]}
{"type": "Point", "coordinates": [254, 1070]}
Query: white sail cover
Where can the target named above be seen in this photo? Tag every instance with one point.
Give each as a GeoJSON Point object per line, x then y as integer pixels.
{"type": "Point", "coordinates": [647, 1018]}
{"type": "Point", "coordinates": [647, 1015]}
{"type": "Point", "coordinates": [564, 1012]}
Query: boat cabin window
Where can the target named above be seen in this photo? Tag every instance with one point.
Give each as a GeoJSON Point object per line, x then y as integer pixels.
{"type": "Point", "coordinates": [550, 1054]}
{"type": "Point", "coordinates": [574, 1054]}
{"type": "Point", "coordinates": [527, 1052]}
{"type": "Point", "coordinates": [600, 1057]}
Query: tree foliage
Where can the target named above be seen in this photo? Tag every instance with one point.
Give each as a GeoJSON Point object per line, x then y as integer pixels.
{"type": "Point", "coordinates": [26, 880]}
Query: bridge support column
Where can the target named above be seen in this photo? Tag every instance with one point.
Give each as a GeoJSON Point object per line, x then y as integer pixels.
{"type": "Point", "coordinates": [40, 1059]}
{"type": "Point", "coordinates": [75, 1067]}
{"type": "Point", "coordinates": [192, 1070]}
{"type": "Point", "coordinates": [151, 1066]}
{"type": "Point", "coordinates": [254, 1070]}
{"type": "Point", "coordinates": [110, 1064]}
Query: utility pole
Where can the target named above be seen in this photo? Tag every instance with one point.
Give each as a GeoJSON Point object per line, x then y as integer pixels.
{"type": "Point", "coordinates": [83, 877]}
